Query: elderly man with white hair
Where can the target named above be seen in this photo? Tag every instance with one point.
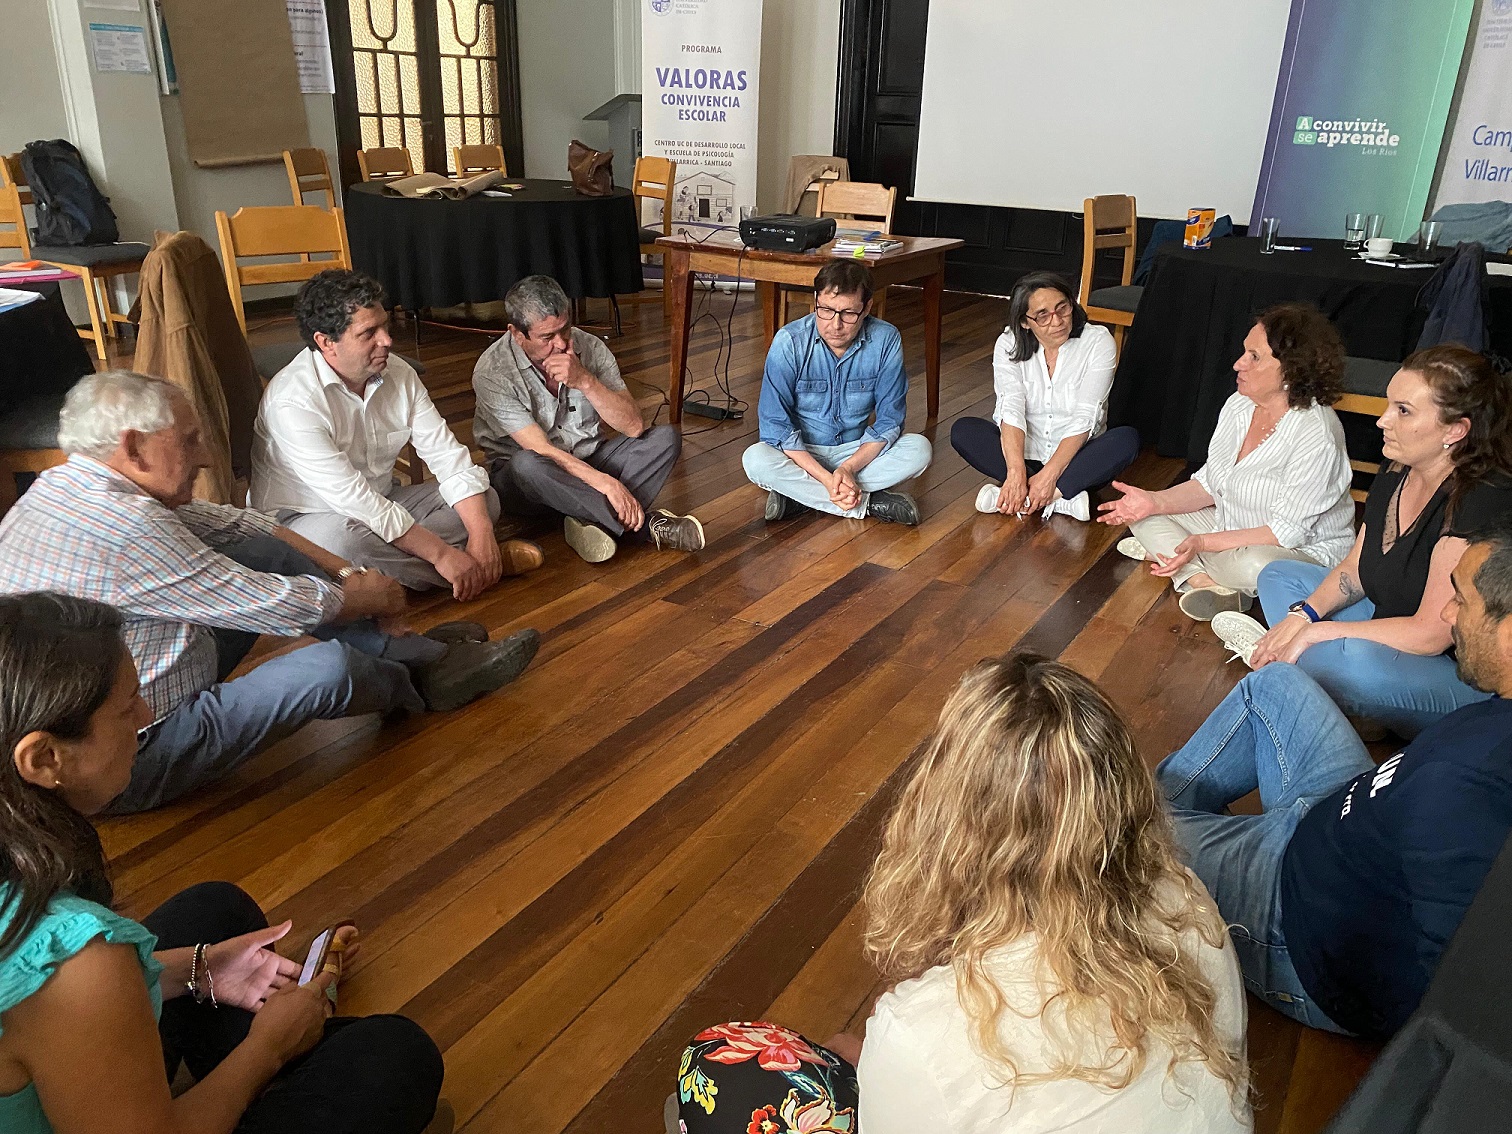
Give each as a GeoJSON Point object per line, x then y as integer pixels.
{"type": "Point", "coordinates": [198, 582]}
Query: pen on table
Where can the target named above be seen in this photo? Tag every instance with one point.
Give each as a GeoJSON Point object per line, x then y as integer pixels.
{"type": "Point", "coordinates": [1293, 247]}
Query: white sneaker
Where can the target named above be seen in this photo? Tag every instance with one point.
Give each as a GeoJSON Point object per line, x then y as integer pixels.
{"type": "Point", "coordinates": [1132, 548]}
{"type": "Point", "coordinates": [987, 496]}
{"type": "Point", "coordinates": [1078, 507]}
{"type": "Point", "coordinates": [1239, 633]}
{"type": "Point", "coordinates": [1203, 604]}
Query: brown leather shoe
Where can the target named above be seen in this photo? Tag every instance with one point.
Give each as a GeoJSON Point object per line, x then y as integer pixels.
{"type": "Point", "coordinates": [520, 556]}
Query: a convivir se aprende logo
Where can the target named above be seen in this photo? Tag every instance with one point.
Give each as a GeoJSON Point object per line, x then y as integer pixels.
{"type": "Point", "coordinates": [1332, 132]}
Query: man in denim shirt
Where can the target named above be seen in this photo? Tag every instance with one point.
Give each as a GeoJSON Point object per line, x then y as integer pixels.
{"type": "Point", "coordinates": [826, 376]}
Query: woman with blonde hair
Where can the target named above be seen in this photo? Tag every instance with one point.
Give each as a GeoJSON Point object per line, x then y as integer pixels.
{"type": "Point", "coordinates": [1056, 967]}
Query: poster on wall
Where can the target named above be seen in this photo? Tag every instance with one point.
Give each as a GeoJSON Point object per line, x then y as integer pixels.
{"type": "Point", "coordinates": [700, 61]}
{"type": "Point", "coordinates": [1478, 159]}
{"type": "Point", "coordinates": [312, 46]}
{"type": "Point", "coordinates": [1350, 133]}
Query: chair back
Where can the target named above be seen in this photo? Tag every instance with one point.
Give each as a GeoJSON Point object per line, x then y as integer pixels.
{"type": "Point", "coordinates": [309, 173]}
{"type": "Point", "coordinates": [1108, 223]}
{"type": "Point", "coordinates": [654, 180]}
{"type": "Point", "coordinates": [13, 195]}
{"type": "Point", "coordinates": [385, 163]}
{"type": "Point", "coordinates": [858, 200]}
{"type": "Point", "coordinates": [279, 230]}
{"type": "Point", "coordinates": [468, 161]}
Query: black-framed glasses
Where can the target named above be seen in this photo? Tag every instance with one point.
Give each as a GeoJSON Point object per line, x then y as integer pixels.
{"type": "Point", "coordinates": [827, 313]}
{"type": "Point", "coordinates": [1061, 310]}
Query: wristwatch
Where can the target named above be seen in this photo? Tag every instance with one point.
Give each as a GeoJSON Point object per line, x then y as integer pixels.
{"type": "Point", "coordinates": [348, 571]}
{"type": "Point", "coordinates": [1306, 610]}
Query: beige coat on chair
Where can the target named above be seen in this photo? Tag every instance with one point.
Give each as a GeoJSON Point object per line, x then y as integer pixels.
{"type": "Point", "coordinates": [189, 335]}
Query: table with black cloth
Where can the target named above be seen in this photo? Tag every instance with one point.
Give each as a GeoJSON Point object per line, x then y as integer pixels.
{"type": "Point", "coordinates": [1176, 370]}
{"type": "Point", "coordinates": [40, 351]}
{"type": "Point", "coordinates": [431, 252]}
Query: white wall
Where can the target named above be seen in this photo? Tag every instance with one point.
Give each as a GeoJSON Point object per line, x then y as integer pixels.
{"type": "Point", "coordinates": [31, 98]}
{"type": "Point", "coordinates": [800, 51]}
{"type": "Point", "coordinates": [567, 69]}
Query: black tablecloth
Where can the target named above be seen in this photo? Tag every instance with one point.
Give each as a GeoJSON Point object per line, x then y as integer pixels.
{"type": "Point", "coordinates": [438, 253]}
{"type": "Point", "coordinates": [1176, 370]}
{"type": "Point", "coordinates": [40, 352]}
{"type": "Point", "coordinates": [1450, 1069]}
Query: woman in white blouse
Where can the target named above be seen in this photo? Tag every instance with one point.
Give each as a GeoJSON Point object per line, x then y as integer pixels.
{"type": "Point", "coordinates": [1047, 442]}
{"type": "Point", "coordinates": [1052, 964]}
{"type": "Point", "coordinates": [1276, 482]}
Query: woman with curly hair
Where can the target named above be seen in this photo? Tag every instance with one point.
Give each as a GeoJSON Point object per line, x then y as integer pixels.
{"type": "Point", "coordinates": [1053, 966]}
{"type": "Point", "coordinates": [1369, 631]}
{"type": "Point", "coordinates": [1276, 482]}
{"type": "Point", "coordinates": [1056, 964]}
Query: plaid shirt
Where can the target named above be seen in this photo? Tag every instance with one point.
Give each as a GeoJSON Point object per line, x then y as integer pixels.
{"type": "Point", "coordinates": [85, 530]}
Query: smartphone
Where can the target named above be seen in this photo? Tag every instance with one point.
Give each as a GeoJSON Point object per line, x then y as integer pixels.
{"type": "Point", "coordinates": [322, 950]}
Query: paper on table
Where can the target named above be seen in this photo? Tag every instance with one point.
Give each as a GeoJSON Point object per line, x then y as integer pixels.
{"type": "Point", "coordinates": [10, 298]}
{"type": "Point", "coordinates": [1499, 269]}
{"type": "Point", "coordinates": [435, 185]}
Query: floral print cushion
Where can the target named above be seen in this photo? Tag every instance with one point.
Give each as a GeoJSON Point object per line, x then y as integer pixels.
{"type": "Point", "coordinates": [759, 1078]}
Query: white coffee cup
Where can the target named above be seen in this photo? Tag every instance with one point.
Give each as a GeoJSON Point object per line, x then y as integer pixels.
{"type": "Point", "coordinates": [1378, 246]}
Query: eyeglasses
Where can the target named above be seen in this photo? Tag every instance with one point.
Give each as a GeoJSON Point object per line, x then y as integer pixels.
{"type": "Point", "coordinates": [1061, 310]}
{"type": "Point", "coordinates": [827, 313]}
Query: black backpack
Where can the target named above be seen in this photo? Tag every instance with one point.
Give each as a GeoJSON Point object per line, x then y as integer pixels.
{"type": "Point", "coordinates": [70, 207]}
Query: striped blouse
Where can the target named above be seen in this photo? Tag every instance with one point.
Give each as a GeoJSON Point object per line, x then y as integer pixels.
{"type": "Point", "coordinates": [1295, 482]}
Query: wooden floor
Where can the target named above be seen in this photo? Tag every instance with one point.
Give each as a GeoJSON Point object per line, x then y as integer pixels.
{"type": "Point", "coordinates": [665, 822]}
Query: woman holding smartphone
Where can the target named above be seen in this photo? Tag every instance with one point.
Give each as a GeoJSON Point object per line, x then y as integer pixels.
{"type": "Point", "coordinates": [95, 1007]}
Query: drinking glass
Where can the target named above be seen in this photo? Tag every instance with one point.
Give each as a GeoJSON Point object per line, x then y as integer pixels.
{"type": "Point", "coordinates": [1269, 227]}
{"type": "Point", "coordinates": [1373, 225]}
{"type": "Point", "coordinates": [1428, 236]}
{"type": "Point", "coordinates": [1354, 230]}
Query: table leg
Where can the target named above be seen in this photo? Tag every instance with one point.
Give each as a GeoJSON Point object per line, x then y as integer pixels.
{"type": "Point", "coordinates": [934, 288]}
{"type": "Point", "coordinates": [680, 282]}
{"type": "Point", "coordinates": [769, 296]}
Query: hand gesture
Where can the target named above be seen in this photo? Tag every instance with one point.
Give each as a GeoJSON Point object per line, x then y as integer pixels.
{"type": "Point", "coordinates": [1136, 504]}
{"type": "Point", "coordinates": [292, 1020]}
{"type": "Point", "coordinates": [1284, 642]}
{"type": "Point", "coordinates": [1041, 491]}
{"type": "Point", "coordinates": [1013, 496]}
{"type": "Point", "coordinates": [246, 970]}
{"type": "Point", "coordinates": [1187, 550]}
{"type": "Point", "coordinates": [567, 369]}
{"type": "Point", "coordinates": [624, 503]}
{"type": "Point", "coordinates": [484, 550]}
{"type": "Point", "coordinates": [371, 595]}
{"type": "Point", "coordinates": [844, 492]}
{"type": "Point", "coordinates": [465, 574]}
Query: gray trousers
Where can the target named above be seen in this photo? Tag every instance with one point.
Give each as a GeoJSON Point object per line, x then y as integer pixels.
{"type": "Point", "coordinates": [355, 542]}
{"type": "Point", "coordinates": [531, 485]}
{"type": "Point", "coordinates": [357, 669]}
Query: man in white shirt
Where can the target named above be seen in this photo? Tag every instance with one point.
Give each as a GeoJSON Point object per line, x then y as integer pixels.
{"type": "Point", "coordinates": [329, 429]}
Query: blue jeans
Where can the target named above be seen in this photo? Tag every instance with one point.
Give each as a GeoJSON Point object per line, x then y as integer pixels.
{"type": "Point", "coordinates": [1404, 692]}
{"type": "Point", "coordinates": [775, 471]}
{"type": "Point", "coordinates": [358, 669]}
{"type": "Point", "coordinates": [1277, 733]}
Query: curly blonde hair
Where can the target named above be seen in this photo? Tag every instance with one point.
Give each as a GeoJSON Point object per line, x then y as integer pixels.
{"type": "Point", "coordinates": [1031, 812]}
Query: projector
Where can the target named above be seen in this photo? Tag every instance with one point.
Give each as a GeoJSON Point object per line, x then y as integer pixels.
{"type": "Point", "coordinates": [784, 232]}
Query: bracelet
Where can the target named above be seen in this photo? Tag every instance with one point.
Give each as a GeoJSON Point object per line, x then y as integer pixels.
{"type": "Point", "coordinates": [197, 961]}
{"type": "Point", "coordinates": [348, 571]}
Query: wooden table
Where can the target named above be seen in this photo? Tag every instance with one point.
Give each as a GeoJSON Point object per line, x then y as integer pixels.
{"type": "Point", "coordinates": [922, 258]}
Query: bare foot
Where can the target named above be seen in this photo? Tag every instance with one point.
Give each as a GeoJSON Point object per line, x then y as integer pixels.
{"type": "Point", "coordinates": [1201, 579]}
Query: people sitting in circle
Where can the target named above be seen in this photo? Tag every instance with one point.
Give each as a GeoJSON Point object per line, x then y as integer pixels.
{"type": "Point", "coordinates": [198, 582]}
{"type": "Point", "coordinates": [83, 990]}
{"type": "Point", "coordinates": [329, 430]}
{"type": "Point", "coordinates": [545, 393]}
{"type": "Point", "coordinates": [1342, 895]}
{"type": "Point", "coordinates": [1369, 631]}
{"type": "Point", "coordinates": [1276, 482]}
{"type": "Point", "coordinates": [1048, 441]}
{"type": "Point", "coordinates": [1054, 966]}
{"type": "Point", "coordinates": [833, 397]}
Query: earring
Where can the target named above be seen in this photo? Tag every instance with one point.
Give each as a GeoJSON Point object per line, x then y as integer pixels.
{"type": "Point", "coordinates": [1447, 444]}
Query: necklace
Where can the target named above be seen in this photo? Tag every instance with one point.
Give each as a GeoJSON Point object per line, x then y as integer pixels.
{"type": "Point", "coordinates": [1268, 429]}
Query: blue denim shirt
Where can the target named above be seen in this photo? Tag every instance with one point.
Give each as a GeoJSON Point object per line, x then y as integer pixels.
{"type": "Point", "coordinates": [810, 397]}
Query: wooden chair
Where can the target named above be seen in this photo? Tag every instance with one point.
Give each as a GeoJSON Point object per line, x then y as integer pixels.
{"type": "Point", "coordinates": [865, 201]}
{"type": "Point", "coordinates": [1108, 222]}
{"type": "Point", "coordinates": [469, 161]}
{"type": "Point", "coordinates": [279, 230]}
{"type": "Point", "coordinates": [385, 163]}
{"type": "Point", "coordinates": [309, 173]}
{"type": "Point", "coordinates": [654, 180]}
{"type": "Point", "coordinates": [96, 265]}
{"type": "Point", "coordinates": [1365, 382]}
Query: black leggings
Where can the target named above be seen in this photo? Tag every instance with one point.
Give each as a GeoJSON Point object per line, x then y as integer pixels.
{"type": "Point", "coordinates": [1096, 463]}
{"type": "Point", "coordinates": [372, 1075]}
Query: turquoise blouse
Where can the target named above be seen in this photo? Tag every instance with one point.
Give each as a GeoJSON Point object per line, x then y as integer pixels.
{"type": "Point", "coordinates": [69, 924]}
